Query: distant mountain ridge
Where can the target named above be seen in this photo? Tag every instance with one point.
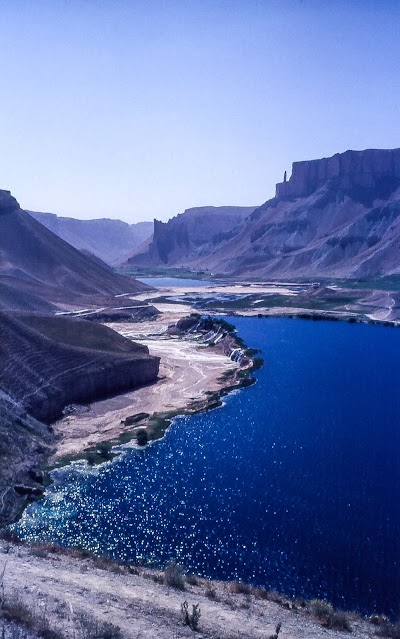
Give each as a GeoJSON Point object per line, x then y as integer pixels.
{"type": "Point", "coordinates": [190, 235]}
{"type": "Point", "coordinates": [110, 240]}
{"type": "Point", "coordinates": [334, 217]}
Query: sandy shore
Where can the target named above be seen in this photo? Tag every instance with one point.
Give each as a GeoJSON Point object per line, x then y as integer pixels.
{"type": "Point", "coordinates": [188, 372]}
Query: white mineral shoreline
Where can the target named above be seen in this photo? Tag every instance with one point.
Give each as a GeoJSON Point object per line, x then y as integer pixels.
{"type": "Point", "coordinates": [189, 372]}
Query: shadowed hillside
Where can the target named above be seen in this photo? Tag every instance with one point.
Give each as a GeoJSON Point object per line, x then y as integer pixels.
{"type": "Point", "coordinates": [36, 262]}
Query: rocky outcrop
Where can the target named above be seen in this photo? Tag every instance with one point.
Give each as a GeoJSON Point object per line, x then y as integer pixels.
{"type": "Point", "coordinates": [377, 170]}
{"type": "Point", "coordinates": [24, 446]}
{"type": "Point", "coordinates": [193, 234]}
{"type": "Point", "coordinates": [48, 363]}
{"type": "Point", "coordinates": [335, 217]}
{"type": "Point", "coordinates": [51, 362]}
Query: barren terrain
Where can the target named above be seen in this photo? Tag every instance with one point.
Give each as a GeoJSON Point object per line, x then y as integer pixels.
{"type": "Point", "coordinates": [189, 371]}
{"type": "Point", "coordinates": [63, 588]}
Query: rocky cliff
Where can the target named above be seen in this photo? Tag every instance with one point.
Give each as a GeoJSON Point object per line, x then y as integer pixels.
{"type": "Point", "coordinates": [192, 234]}
{"type": "Point", "coordinates": [47, 363]}
{"type": "Point", "coordinates": [337, 216]}
{"type": "Point", "coordinates": [374, 170]}
{"type": "Point", "coordinates": [25, 444]}
{"type": "Point", "coordinates": [50, 362]}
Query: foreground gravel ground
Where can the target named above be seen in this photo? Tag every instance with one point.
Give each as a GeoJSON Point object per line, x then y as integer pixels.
{"type": "Point", "coordinates": [83, 598]}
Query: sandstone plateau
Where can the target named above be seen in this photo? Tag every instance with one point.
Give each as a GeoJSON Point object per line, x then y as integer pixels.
{"type": "Point", "coordinates": [334, 217]}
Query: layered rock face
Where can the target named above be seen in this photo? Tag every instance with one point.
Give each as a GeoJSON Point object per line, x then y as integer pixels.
{"type": "Point", "coordinates": [193, 234]}
{"type": "Point", "coordinates": [335, 217]}
{"type": "Point", "coordinates": [371, 169]}
{"type": "Point", "coordinates": [50, 362]}
{"type": "Point", "coordinates": [25, 443]}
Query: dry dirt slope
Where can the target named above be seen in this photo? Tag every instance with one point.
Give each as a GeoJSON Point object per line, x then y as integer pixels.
{"type": "Point", "coordinates": [65, 587]}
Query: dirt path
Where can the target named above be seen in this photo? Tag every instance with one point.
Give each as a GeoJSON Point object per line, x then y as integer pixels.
{"type": "Point", "coordinates": [64, 587]}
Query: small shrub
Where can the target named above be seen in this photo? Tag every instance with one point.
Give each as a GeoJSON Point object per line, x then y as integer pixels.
{"type": "Point", "coordinates": [14, 609]}
{"type": "Point", "coordinates": [329, 617]}
{"type": "Point", "coordinates": [173, 576]}
{"type": "Point", "coordinates": [321, 608]}
{"type": "Point", "coordinates": [104, 562]}
{"type": "Point", "coordinates": [378, 620]}
{"type": "Point", "coordinates": [192, 580]}
{"type": "Point", "coordinates": [260, 593]}
{"type": "Point", "coordinates": [91, 628]}
{"type": "Point", "coordinates": [39, 551]}
{"type": "Point", "coordinates": [211, 593]}
{"type": "Point", "coordinates": [339, 621]}
{"type": "Point", "coordinates": [277, 631]}
{"type": "Point", "coordinates": [191, 619]}
{"type": "Point", "coordinates": [239, 588]}
{"type": "Point", "coordinates": [276, 597]}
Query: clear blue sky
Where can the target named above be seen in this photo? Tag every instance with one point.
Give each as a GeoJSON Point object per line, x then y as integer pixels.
{"type": "Point", "coordinates": [140, 109]}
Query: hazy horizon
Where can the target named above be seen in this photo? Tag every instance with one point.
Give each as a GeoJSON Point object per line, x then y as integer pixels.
{"type": "Point", "coordinates": [137, 110]}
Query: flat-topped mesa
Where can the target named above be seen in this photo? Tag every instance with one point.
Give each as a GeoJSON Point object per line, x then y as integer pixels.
{"type": "Point", "coordinates": [369, 169]}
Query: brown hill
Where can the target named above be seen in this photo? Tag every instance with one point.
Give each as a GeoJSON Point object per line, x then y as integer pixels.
{"type": "Point", "coordinates": [36, 262]}
{"type": "Point", "coordinates": [190, 235]}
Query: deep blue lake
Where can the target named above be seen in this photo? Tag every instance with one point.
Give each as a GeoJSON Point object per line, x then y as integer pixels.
{"type": "Point", "coordinates": [294, 484]}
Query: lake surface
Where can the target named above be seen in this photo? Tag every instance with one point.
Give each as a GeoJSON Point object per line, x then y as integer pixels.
{"type": "Point", "coordinates": [294, 484]}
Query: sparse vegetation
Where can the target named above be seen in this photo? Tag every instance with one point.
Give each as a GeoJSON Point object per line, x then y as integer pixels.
{"type": "Point", "coordinates": [15, 612]}
{"type": "Point", "coordinates": [91, 628]}
{"type": "Point", "coordinates": [210, 592]}
{"type": "Point", "coordinates": [173, 576]}
{"type": "Point", "coordinates": [330, 618]}
{"type": "Point", "coordinates": [192, 618]}
{"type": "Point", "coordinates": [141, 437]}
{"type": "Point", "coordinates": [259, 593]}
{"type": "Point", "coordinates": [192, 580]}
{"type": "Point", "coordinates": [239, 588]}
{"type": "Point", "coordinates": [277, 631]}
